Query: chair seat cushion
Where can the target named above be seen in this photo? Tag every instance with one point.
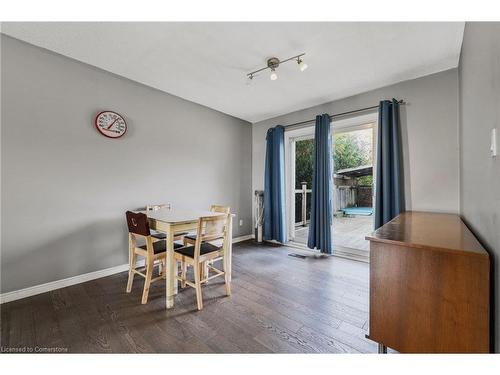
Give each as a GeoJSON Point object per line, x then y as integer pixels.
{"type": "Point", "coordinates": [162, 236]}
{"type": "Point", "coordinates": [161, 246]}
{"type": "Point", "coordinates": [205, 249]}
{"type": "Point", "coordinates": [159, 235]}
{"type": "Point", "coordinates": [191, 237]}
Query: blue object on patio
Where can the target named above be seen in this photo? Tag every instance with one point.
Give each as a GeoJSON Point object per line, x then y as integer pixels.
{"type": "Point", "coordinates": [364, 211]}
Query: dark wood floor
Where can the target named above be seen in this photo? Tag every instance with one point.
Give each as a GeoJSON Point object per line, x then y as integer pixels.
{"type": "Point", "coordinates": [280, 304]}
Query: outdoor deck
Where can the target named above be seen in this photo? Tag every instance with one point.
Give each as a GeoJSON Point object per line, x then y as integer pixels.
{"type": "Point", "coordinates": [348, 232]}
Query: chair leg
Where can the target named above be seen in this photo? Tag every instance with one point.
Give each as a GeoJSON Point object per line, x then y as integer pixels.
{"type": "Point", "coordinates": [184, 274]}
{"type": "Point", "coordinates": [176, 282]}
{"type": "Point", "coordinates": [132, 262]}
{"type": "Point", "coordinates": [147, 282]}
{"type": "Point", "coordinates": [227, 279]}
{"type": "Point", "coordinates": [199, 298]}
{"type": "Point", "coordinates": [203, 271]}
{"type": "Point", "coordinates": [160, 267]}
{"type": "Point", "coordinates": [206, 269]}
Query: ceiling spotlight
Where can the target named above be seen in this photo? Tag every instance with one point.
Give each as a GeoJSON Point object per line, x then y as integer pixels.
{"type": "Point", "coordinates": [273, 63]}
{"type": "Point", "coordinates": [302, 64]}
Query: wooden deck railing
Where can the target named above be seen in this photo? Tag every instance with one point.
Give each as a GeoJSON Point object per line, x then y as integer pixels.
{"type": "Point", "coordinates": [344, 196]}
{"type": "Point", "coordinates": [303, 191]}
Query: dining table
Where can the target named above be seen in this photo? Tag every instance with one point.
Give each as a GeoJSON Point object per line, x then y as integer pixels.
{"type": "Point", "coordinates": [175, 221]}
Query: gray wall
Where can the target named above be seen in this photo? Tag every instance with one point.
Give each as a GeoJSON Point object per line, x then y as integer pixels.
{"type": "Point", "coordinates": [479, 76]}
{"type": "Point", "coordinates": [429, 125]}
{"type": "Point", "coordinates": [65, 188]}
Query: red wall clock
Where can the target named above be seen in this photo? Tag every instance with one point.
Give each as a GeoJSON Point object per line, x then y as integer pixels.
{"type": "Point", "coordinates": [110, 124]}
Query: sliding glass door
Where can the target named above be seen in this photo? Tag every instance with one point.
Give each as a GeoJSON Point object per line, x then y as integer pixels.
{"type": "Point", "coordinates": [353, 188]}
{"type": "Point", "coordinates": [304, 149]}
{"type": "Point", "coordinates": [299, 151]}
{"type": "Point", "coordinates": [353, 159]}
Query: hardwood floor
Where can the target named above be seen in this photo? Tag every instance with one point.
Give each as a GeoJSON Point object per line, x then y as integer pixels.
{"type": "Point", "coordinates": [280, 304]}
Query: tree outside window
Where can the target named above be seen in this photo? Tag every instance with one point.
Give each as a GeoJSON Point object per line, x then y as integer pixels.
{"type": "Point", "coordinates": [351, 149]}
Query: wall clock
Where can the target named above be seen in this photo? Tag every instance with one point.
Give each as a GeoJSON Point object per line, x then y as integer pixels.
{"type": "Point", "coordinates": [110, 124]}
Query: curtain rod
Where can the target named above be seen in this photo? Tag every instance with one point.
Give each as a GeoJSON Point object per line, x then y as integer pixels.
{"type": "Point", "coordinates": [401, 102]}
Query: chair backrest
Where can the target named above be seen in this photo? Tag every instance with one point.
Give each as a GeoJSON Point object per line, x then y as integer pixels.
{"type": "Point", "coordinates": [138, 223]}
{"type": "Point", "coordinates": [211, 228]}
{"type": "Point", "coordinates": [154, 207]}
{"type": "Point", "coordinates": [218, 209]}
{"type": "Point", "coordinates": [221, 209]}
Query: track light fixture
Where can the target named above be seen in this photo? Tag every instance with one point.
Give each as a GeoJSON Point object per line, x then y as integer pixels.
{"type": "Point", "coordinates": [273, 63]}
{"type": "Point", "coordinates": [302, 64]}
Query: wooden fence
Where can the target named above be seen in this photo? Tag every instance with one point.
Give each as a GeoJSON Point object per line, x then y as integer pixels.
{"type": "Point", "coordinates": [343, 196]}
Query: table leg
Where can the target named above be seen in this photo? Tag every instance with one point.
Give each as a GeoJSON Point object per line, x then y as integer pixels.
{"type": "Point", "coordinates": [230, 247]}
{"type": "Point", "coordinates": [171, 269]}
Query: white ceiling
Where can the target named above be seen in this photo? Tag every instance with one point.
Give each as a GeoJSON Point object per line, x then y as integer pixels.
{"type": "Point", "coordinates": [207, 62]}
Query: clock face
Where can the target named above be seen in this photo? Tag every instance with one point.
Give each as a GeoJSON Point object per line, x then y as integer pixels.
{"type": "Point", "coordinates": [110, 124]}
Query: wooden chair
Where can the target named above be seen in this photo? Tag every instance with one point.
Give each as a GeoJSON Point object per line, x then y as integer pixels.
{"type": "Point", "coordinates": [152, 251]}
{"type": "Point", "coordinates": [159, 235]}
{"type": "Point", "coordinates": [190, 239]}
{"type": "Point", "coordinates": [211, 228]}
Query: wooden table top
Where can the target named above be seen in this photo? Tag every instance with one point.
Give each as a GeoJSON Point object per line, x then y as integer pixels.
{"type": "Point", "coordinates": [174, 216]}
{"type": "Point", "coordinates": [426, 230]}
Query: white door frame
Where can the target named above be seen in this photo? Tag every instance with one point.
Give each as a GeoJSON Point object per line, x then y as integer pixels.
{"type": "Point", "coordinates": [291, 136]}
{"type": "Point", "coordinates": [307, 132]}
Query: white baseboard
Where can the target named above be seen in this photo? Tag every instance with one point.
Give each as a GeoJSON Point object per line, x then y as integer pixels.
{"type": "Point", "coordinates": [53, 285]}
{"type": "Point", "coordinates": [243, 238]}
{"type": "Point", "coordinates": [58, 284]}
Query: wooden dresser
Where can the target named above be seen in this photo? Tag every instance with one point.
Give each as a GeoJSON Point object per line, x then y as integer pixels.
{"type": "Point", "coordinates": [429, 286]}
